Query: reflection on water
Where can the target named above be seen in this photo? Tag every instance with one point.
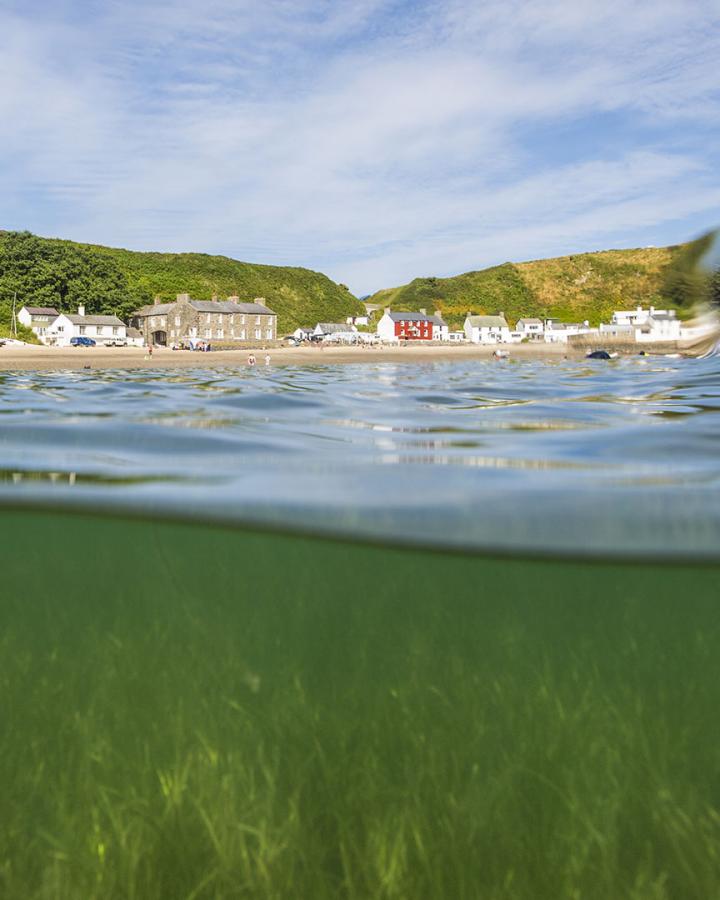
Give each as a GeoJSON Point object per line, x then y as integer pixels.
{"type": "Point", "coordinates": [618, 456]}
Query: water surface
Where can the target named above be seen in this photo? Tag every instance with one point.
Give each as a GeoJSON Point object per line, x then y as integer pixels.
{"type": "Point", "coordinates": [588, 456]}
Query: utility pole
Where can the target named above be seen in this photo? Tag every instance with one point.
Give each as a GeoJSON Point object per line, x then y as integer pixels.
{"type": "Point", "coordinates": [14, 317]}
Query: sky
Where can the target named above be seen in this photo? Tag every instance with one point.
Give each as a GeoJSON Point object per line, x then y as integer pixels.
{"type": "Point", "coordinates": [374, 140]}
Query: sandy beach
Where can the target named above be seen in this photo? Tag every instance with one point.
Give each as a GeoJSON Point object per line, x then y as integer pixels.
{"type": "Point", "coordinates": [29, 357]}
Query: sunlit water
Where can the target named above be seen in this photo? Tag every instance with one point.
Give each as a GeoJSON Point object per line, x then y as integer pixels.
{"type": "Point", "coordinates": [589, 456]}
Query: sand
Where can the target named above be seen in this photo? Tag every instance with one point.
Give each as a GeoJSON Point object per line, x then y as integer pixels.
{"type": "Point", "coordinates": [30, 357]}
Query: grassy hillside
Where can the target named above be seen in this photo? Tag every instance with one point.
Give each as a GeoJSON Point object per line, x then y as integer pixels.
{"type": "Point", "coordinates": [63, 274]}
{"type": "Point", "coordinates": [574, 288]}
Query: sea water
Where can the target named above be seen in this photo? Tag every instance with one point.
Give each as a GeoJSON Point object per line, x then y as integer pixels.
{"type": "Point", "coordinates": [364, 631]}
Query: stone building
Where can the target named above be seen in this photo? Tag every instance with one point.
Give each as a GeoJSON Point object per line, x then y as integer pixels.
{"type": "Point", "coordinates": [227, 321]}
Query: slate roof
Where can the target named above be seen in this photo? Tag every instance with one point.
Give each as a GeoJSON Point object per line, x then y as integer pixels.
{"type": "Point", "coordinates": [529, 321]}
{"type": "Point", "coordinates": [333, 327]}
{"type": "Point", "coordinates": [228, 306]}
{"type": "Point", "coordinates": [205, 306]}
{"type": "Point", "coordinates": [156, 309]}
{"type": "Point", "coordinates": [487, 321]}
{"type": "Point", "coordinates": [410, 317]}
{"type": "Point", "coordinates": [42, 310]}
{"type": "Point", "coordinates": [94, 320]}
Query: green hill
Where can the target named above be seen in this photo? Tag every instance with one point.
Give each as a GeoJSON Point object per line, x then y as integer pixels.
{"type": "Point", "coordinates": [50, 272]}
{"type": "Point", "coordinates": [574, 288]}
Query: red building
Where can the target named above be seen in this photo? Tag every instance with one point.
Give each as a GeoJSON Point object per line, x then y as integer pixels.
{"type": "Point", "coordinates": [407, 326]}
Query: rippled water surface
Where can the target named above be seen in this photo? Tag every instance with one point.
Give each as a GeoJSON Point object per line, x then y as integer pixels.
{"type": "Point", "coordinates": [588, 456]}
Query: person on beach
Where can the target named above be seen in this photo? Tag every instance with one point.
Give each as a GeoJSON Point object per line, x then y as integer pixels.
{"type": "Point", "coordinates": [267, 359]}
{"type": "Point", "coordinates": [150, 349]}
{"type": "Point", "coordinates": [251, 359]}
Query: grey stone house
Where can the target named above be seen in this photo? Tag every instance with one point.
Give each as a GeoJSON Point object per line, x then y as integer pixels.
{"type": "Point", "coordinates": [228, 321]}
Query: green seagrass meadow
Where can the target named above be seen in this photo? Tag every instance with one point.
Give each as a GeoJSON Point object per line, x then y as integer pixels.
{"type": "Point", "coordinates": [201, 712]}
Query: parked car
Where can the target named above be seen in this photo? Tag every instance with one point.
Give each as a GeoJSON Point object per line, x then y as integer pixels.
{"type": "Point", "coordinates": [82, 342]}
{"type": "Point", "coordinates": [116, 342]}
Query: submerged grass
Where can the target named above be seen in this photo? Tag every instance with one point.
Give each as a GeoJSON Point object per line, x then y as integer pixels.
{"type": "Point", "coordinates": [202, 713]}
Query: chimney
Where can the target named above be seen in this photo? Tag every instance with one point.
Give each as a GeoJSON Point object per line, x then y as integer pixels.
{"type": "Point", "coordinates": [81, 310]}
{"type": "Point", "coordinates": [501, 314]}
{"type": "Point", "coordinates": [215, 298]}
{"type": "Point", "coordinates": [423, 312]}
{"type": "Point", "coordinates": [234, 299]}
{"type": "Point", "coordinates": [157, 300]}
{"type": "Point", "coordinates": [183, 298]}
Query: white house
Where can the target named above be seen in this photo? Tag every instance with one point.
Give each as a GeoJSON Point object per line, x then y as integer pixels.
{"type": "Point", "coordinates": [487, 329]}
{"type": "Point", "coordinates": [440, 330]}
{"type": "Point", "coordinates": [102, 329]}
{"type": "Point", "coordinates": [409, 326]}
{"type": "Point", "coordinates": [38, 318]}
{"type": "Point", "coordinates": [303, 334]}
{"type": "Point", "coordinates": [559, 332]}
{"type": "Point", "coordinates": [135, 337]}
{"type": "Point", "coordinates": [638, 316]}
{"type": "Point", "coordinates": [334, 330]}
{"type": "Point", "coordinates": [531, 329]}
{"type": "Point", "coordinates": [358, 320]}
{"type": "Point", "coordinates": [644, 325]}
{"type": "Point", "coordinates": [660, 325]}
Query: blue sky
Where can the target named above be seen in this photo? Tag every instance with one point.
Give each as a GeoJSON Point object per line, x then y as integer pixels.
{"type": "Point", "coordinates": [374, 140]}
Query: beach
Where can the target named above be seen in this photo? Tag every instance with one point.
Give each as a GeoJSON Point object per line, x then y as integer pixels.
{"type": "Point", "coordinates": [33, 357]}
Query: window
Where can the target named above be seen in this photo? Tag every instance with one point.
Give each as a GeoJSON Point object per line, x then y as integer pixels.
{"type": "Point", "coordinates": [208, 333]}
{"type": "Point", "coordinates": [177, 321]}
{"type": "Point", "coordinates": [258, 333]}
{"type": "Point", "coordinates": [208, 318]}
{"type": "Point", "coordinates": [116, 330]}
{"type": "Point", "coordinates": [82, 329]}
{"type": "Point", "coordinates": [269, 334]}
{"type": "Point", "coordinates": [242, 333]}
{"type": "Point", "coordinates": [242, 320]}
{"type": "Point", "coordinates": [257, 320]}
{"type": "Point", "coordinates": [219, 333]}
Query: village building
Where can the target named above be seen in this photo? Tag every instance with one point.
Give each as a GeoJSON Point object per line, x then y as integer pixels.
{"type": "Point", "coordinates": [106, 330]}
{"type": "Point", "coordinates": [327, 329]}
{"type": "Point", "coordinates": [135, 337]}
{"type": "Point", "coordinates": [487, 329]}
{"type": "Point", "coordinates": [38, 319]}
{"type": "Point", "coordinates": [558, 332]}
{"type": "Point", "coordinates": [411, 326]}
{"type": "Point", "coordinates": [644, 325]}
{"type": "Point", "coordinates": [303, 333]}
{"type": "Point", "coordinates": [530, 329]}
{"type": "Point", "coordinates": [335, 332]}
{"type": "Point", "coordinates": [208, 320]}
{"type": "Point", "coordinates": [640, 315]}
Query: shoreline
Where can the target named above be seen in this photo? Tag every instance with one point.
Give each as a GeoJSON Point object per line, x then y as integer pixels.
{"type": "Point", "coordinates": [40, 358]}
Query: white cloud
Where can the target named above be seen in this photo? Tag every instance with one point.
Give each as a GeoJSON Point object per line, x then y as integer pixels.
{"type": "Point", "coordinates": [375, 140]}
